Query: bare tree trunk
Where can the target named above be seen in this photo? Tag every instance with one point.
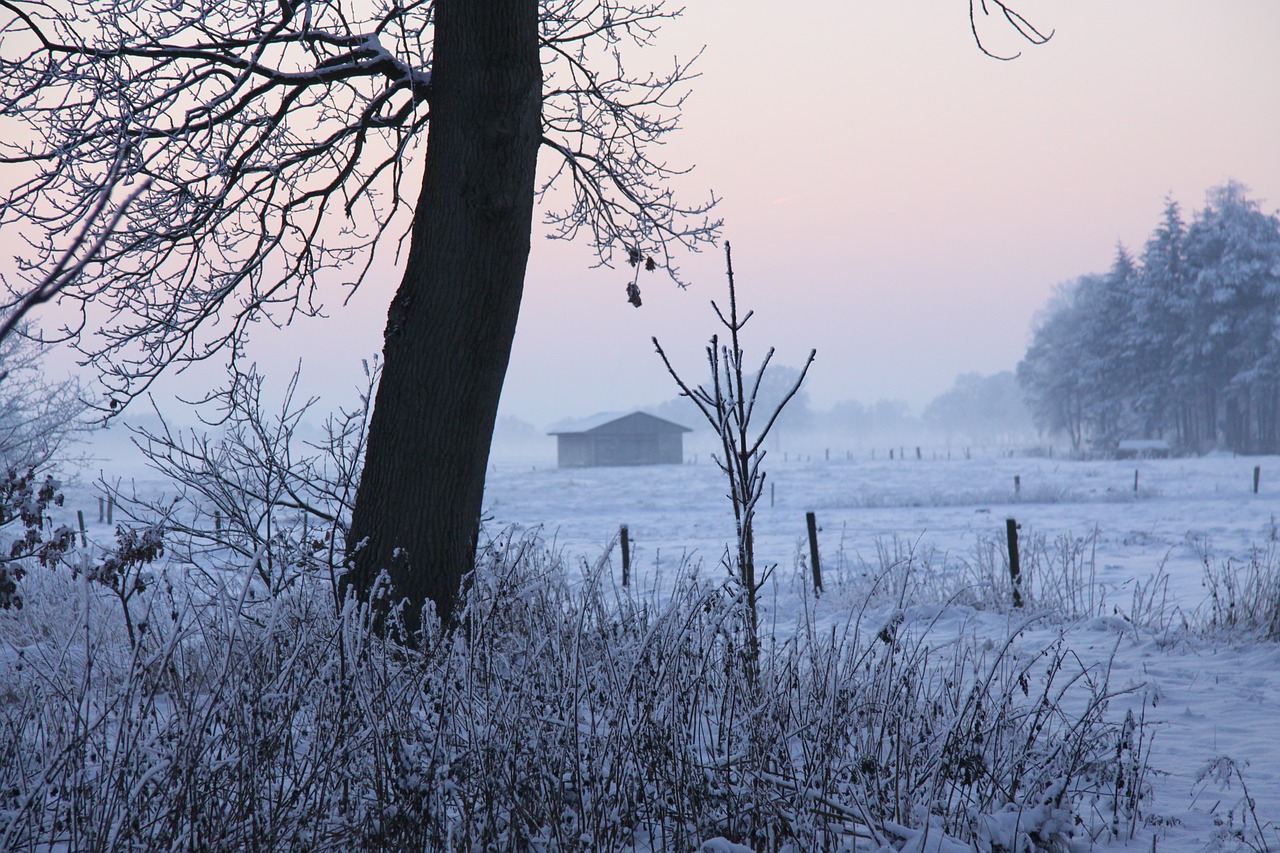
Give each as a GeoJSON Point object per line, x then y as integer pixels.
{"type": "Point", "coordinates": [451, 324]}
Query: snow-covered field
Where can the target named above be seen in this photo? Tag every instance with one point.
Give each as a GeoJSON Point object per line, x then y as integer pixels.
{"type": "Point", "coordinates": [1212, 700]}
{"type": "Point", "coordinates": [942, 504]}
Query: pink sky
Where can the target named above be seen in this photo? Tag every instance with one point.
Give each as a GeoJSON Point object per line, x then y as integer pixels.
{"type": "Point", "coordinates": [904, 204]}
{"type": "Point", "coordinates": [896, 200]}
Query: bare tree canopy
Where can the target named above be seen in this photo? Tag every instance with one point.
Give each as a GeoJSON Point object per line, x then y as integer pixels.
{"type": "Point", "coordinates": [276, 140]}
{"type": "Point", "coordinates": [39, 416]}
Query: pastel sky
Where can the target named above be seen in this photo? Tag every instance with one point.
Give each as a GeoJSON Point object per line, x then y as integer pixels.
{"type": "Point", "coordinates": [895, 199]}
{"type": "Point", "coordinates": [904, 204]}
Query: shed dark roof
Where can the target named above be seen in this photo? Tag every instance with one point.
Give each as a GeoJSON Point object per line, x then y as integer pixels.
{"type": "Point", "coordinates": [617, 423]}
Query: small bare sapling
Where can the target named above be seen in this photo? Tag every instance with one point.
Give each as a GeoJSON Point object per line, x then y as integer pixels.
{"type": "Point", "coordinates": [729, 405]}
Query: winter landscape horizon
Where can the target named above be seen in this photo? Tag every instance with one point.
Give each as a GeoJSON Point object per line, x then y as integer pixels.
{"type": "Point", "coordinates": [1159, 587]}
{"type": "Point", "coordinates": [552, 426]}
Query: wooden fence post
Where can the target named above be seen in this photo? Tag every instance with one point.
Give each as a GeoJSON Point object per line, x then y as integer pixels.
{"type": "Point", "coordinates": [1015, 570]}
{"type": "Point", "coordinates": [1135, 480]}
{"type": "Point", "coordinates": [1257, 475]}
{"type": "Point", "coordinates": [624, 537]}
{"type": "Point", "coordinates": [812, 521]}
{"type": "Point", "coordinates": [1017, 486]}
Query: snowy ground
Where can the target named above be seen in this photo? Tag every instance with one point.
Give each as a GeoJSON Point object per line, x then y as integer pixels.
{"type": "Point", "coordinates": [1213, 698]}
{"type": "Point", "coordinates": [946, 505]}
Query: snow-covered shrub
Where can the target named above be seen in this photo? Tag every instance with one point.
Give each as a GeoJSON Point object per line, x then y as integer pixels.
{"type": "Point", "coordinates": [1237, 827]}
{"type": "Point", "coordinates": [557, 716]}
{"type": "Point", "coordinates": [25, 500]}
{"type": "Point", "coordinates": [259, 491]}
{"type": "Point", "coordinates": [39, 418]}
{"type": "Point", "coordinates": [229, 726]}
{"type": "Point", "coordinates": [1244, 594]}
{"type": "Point", "coordinates": [1059, 578]}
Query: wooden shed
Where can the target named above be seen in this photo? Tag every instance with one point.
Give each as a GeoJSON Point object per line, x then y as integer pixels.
{"type": "Point", "coordinates": [614, 439]}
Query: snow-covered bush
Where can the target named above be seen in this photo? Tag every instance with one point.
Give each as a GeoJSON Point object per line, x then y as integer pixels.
{"type": "Point", "coordinates": [1244, 594]}
{"type": "Point", "coordinates": [39, 417]}
{"type": "Point", "coordinates": [258, 492]}
{"type": "Point", "coordinates": [557, 716]}
{"type": "Point", "coordinates": [25, 500]}
{"type": "Point", "coordinates": [1059, 580]}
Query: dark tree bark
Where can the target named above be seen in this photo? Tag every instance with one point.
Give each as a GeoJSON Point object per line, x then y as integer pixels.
{"type": "Point", "coordinates": [451, 324]}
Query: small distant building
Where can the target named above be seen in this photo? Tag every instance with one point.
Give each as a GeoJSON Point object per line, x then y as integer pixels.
{"type": "Point", "coordinates": [1143, 448]}
{"type": "Point", "coordinates": [614, 439]}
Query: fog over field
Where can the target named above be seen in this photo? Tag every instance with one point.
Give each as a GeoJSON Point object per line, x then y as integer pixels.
{"type": "Point", "coordinates": [938, 514]}
{"type": "Point", "coordinates": [1161, 575]}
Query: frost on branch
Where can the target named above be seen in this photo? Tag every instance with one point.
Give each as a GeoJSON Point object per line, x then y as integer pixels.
{"type": "Point", "coordinates": [192, 169]}
{"type": "Point", "coordinates": [24, 502]}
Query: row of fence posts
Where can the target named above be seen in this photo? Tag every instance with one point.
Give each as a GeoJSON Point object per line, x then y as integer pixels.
{"type": "Point", "coordinates": [848, 455]}
{"type": "Point", "coordinates": [810, 519]}
{"type": "Point", "coordinates": [107, 510]}
{"type": "Point", "coordinates": [898, 453]}
{"type": "Point", "coordinates": [811, 522]}
{"type": "Point", "coordinates": [1017, 485]}
{"type": "Point", "coordinates": [815, 562]}
{"type": "Point", "coordinates": [107, 506]}
{"type": "Point", "coordinates": [894, 453]}
{"type": "Point", "coordinates": [1015, 574]}
{"type": "Point", "coordinates": [902, 454]}
{"type": "Point", "coordinates": [1017, 482]}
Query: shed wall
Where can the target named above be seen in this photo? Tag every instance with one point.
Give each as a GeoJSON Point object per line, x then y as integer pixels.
{"type": "Point", "coordinates": [580, 450]}
{"type": "Point", "coordinates": [575, 450]}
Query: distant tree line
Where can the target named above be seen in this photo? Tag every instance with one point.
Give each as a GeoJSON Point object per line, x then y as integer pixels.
{"type": "Point", "coordinates": [1181, 344]}
{"type": "Point", "coordinates": [979, 410]}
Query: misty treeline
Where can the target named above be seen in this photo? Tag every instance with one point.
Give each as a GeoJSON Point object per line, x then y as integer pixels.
{"type": "Point", "coordinates": [978, 410]}
{"type": "Point", "coordinates": [983, 410]}
{"type": "Point", "coordinates": [1180, 343]}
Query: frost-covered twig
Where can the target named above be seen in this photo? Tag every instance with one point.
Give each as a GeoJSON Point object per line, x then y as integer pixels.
{"type": "Point", "coordinates": [728, 404]}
